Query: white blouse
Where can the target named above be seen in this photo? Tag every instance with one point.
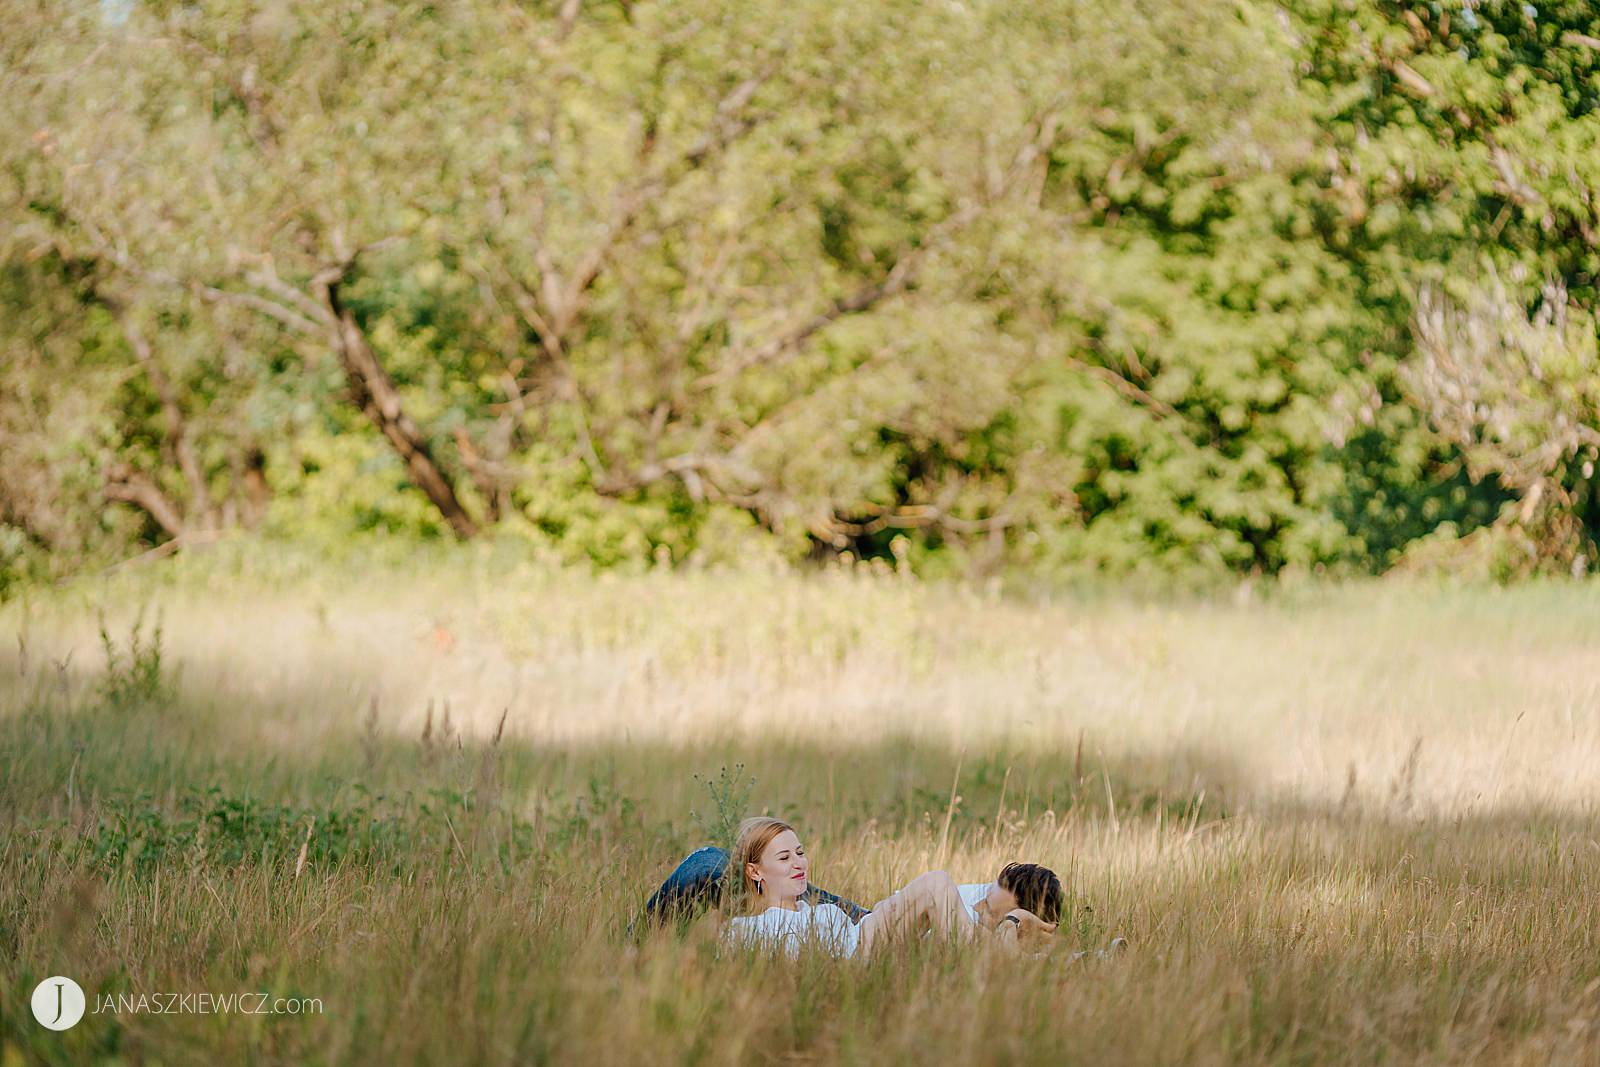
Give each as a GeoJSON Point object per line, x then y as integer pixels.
{"type": "Point", "coordinates": [825, 925]}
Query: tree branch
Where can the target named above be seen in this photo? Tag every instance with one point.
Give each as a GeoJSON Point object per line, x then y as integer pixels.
{"type": "Point", "coordinates": [901, 274]}
{"type": "Point", "coordinates": [270, 308]}
{"type": "Point", "coordinates": [1127, 388]}
{"type": "Point", "coordinates": [917, 516]}
{"type": "Point", "coordinates": [128, 486]}
{"type": "Point", "coordinates": [375, 394]}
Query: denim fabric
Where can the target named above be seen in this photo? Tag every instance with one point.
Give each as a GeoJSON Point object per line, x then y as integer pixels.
{"type": "Point", "coordinates": [696, 883]}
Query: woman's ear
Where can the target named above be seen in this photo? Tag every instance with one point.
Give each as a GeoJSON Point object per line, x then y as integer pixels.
{"type": "Point", "coordinates": [752, 872]}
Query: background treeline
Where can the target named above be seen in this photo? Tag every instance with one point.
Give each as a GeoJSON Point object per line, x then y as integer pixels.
{"type": "Point", "coordinates": [1115, 285]}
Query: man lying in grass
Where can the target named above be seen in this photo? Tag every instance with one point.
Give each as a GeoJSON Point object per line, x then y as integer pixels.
{"type": "Point", "coordinates": [774, 871]}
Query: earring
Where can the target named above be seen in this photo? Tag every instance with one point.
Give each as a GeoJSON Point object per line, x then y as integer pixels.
{"type": "Point", "coordinates": [761, 886]}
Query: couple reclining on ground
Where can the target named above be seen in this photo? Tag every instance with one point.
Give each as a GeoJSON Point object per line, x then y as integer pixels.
{"type": "Point", "coordinates": [766, 884]}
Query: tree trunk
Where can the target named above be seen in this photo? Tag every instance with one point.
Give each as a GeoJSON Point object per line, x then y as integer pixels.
{"type": "Point", "coordinates": [200, 508]}
{"type": "Point", "coordinates": [379, 400]}
{"type": "Point", "coordinates": [253, 481]}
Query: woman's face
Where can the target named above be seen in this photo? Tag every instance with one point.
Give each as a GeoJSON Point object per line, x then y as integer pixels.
{"type": "Point", "coordinates": [783, 868]}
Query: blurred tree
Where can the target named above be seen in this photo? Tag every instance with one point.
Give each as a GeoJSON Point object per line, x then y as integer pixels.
{"type": "Point", "coordinates": [1463, 139]}
{"type": "Point", "coordinates": [1120, 286]}
{"type": "Point", "coordinates": [1520, 396]}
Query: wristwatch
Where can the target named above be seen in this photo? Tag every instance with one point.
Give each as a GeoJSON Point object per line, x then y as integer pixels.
{"type": "Point", "coordinates": [1013, 919]}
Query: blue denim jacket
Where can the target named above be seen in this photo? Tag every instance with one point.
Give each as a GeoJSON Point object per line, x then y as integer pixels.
{"type": "Point", "coordinates": [696, 883]}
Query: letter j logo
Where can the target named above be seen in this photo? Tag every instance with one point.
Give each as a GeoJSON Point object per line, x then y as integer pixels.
{"type": "Point", "coordinates": [58, 1002]}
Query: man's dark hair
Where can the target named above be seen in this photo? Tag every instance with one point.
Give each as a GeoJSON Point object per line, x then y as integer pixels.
{"type": "Point", "coordinates": [1036, 888]}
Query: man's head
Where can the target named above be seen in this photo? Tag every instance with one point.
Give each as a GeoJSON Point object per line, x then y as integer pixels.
{"type": "Point", "coordinates": [1028, 886]}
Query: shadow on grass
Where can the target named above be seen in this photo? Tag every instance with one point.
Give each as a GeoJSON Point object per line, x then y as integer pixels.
{"type": "Point", "coordinates": [1290, 933]}
{"type": "Point", "coordinates": [145, 775]}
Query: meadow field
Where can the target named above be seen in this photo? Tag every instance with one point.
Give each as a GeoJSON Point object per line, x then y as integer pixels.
{"type": "Point", "coordinates": [1338, 825]}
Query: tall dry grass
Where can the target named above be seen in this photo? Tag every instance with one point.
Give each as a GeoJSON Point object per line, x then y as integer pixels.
{"type": "Point", "coordinates": [1345, 825]}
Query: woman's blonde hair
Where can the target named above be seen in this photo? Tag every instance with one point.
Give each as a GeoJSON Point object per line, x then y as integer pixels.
{"type": "Point", "coordinates": [755, 834]}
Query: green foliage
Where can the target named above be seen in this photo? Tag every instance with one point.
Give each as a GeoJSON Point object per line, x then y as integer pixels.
{"type": "Point", "coordinates": [210, 828]}
{"type": "Point", "coordinates": [134, 674]}
{"type": "Point", "coordinates": [1097, 287]}
{"type": "Point", "coordinates": [729, 793]}
{"type": "Point", "coordinates": [1462, 142]}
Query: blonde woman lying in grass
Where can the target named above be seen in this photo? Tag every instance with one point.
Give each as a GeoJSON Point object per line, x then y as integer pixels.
{"type": "Point", "coordinates": [773, 866]}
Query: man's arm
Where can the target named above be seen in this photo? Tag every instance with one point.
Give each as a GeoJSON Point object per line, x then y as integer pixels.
{"type": "Point", "coordinates": [1021, 931]}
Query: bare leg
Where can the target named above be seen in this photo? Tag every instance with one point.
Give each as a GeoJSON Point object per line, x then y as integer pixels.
{"type": "Point", "coordinates": [929, 901]}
